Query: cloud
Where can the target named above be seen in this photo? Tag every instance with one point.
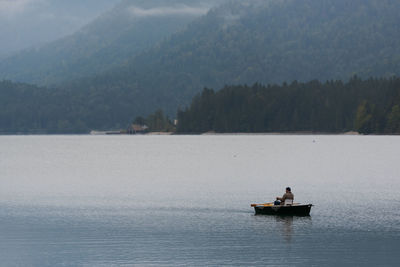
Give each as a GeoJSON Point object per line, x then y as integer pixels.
{"type": "Point", "coordinates": [9, 8]}
{"type": "Point", "coordinates": [182, 10]}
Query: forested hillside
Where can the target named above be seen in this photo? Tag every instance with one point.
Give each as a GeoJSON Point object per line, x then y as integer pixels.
{"type": "Point", "coordinates": [41, 111]}
{"type": "Point", "coordinates": [370, 106]}
{"type": "Point", "coordinates": [30, 109]}
{"type": "Point", "coordinates": [111, 40]}
{"type": "Point", "coordinates": [240, 42]}
{"type": "Point", "coordinates": [243, 42]}
{"type": "Point", "coordinates": [277, 41]}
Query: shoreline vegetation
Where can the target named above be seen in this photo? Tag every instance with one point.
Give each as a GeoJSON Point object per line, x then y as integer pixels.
{"type": "Point", "coordinates": [107, 133]}
{"type": "Point", "coordinates": [332, 108]}
{"type": "Point", "coordinates": [358, 106]}
{"type": "Point", "coordinates": [369, 106]}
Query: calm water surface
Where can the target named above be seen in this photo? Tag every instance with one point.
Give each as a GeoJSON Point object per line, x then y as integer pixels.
{"type": "Point", "coordinates": [185, 200]}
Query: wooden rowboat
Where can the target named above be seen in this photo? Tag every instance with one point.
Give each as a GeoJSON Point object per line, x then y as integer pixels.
{"type": "Point", "coordinates": [270, 209]}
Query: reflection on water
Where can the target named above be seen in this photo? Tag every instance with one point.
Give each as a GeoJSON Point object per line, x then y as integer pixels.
{"type": "Point", "coordinates": [287, 224]}
{"type": "Point", "coordinates": [287, 227]}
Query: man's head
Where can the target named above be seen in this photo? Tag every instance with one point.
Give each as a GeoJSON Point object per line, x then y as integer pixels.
{"type": "Point", "coordinates": [288, 189]}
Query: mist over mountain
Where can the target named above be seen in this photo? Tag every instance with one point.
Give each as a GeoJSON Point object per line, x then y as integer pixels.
{"type": "Point", "coordinates": [30, 23]}
{"type": "Point", "coordinates": [277, 41]}
{"type": "Point", "coordinates": [243, 42]}
{"type": "Point", "coordinates": [238, 42]}
{"type": "Point", "coordinates": [113, 38]}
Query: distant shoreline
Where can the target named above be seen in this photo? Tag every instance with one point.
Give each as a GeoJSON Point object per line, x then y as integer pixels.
{"type": "Point", "coordinates": [116, 133]}
{"type": "Point", "coordinates": [206, 134]}
{"type": "Point", "coordinates": [283, 133]}
{"type": "Point", "coordinates": [198, 134]}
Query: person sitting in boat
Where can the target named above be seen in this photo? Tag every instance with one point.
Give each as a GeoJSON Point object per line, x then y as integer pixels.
{"type": "Point", "coordinates": [287, 195]}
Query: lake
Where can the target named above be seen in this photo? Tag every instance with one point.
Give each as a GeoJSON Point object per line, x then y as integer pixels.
{"type": "Point", "coordinates": [185, 200]}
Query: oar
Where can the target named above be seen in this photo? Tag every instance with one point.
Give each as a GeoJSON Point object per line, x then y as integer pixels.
{"type": "Point", "coordinates": [254, 205]}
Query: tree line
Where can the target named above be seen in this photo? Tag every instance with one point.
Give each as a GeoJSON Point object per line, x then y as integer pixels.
{"type": "Point", "coordinates": [156, 122]}
{"type": "Point", "coordinates": [367, 106]}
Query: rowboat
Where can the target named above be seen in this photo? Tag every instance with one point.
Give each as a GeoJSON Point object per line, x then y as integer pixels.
{"type": "Point", "coordinates": [296, 209]}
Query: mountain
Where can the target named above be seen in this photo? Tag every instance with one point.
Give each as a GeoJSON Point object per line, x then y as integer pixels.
{"type": "Point", "coordinates": [267, 41]}
{"type": "Point", "coordinates": [276, 41]}
{"type": "Point", "coordinates": [238, 42]}
{"type": "Point", "coordinates": [31, 23]}
{"type": "Point", "coordinates": [113, 38]}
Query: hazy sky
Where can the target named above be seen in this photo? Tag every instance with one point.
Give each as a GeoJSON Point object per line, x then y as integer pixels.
{"type": "Point", "coordinates": [168, 11]}
{"type": "Point", "coordinates": [27, 23]}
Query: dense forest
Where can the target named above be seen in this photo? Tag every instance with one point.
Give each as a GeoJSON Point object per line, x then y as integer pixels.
{"type": "Point", "coordinates": [53, 111]}
{"type": "Point", "coordinates": [367, 106]}
{"type": "Point", "coordinates": [30, 109]}
{"type": "Point", "coordinates": [239, 42]}
{"type": "Point", "coordinates": [156, 122]}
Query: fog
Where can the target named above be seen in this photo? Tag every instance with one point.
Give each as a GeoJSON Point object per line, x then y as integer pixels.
{"type": "Point", "coordinates": [168, 11]}
{"type": "Point", "coordinates": [29, 23]}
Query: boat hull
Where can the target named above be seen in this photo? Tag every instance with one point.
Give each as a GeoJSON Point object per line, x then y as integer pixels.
{"type": "Point", "coordinates": [295, 210]}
